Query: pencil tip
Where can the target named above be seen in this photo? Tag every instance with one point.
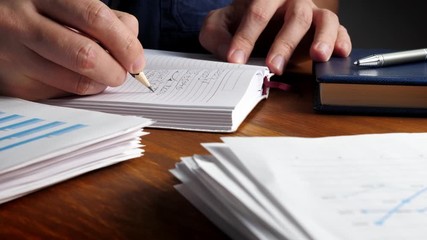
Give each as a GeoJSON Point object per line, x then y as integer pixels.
{"type": "Point", "coordinates": [151, 89]}
{"type": "Point", "coordinates": [356, 63]}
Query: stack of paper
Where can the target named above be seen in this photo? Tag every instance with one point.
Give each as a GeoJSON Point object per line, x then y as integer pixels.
{"type": "Point", "coordinates": [41, 145]}
{"type": "Point", "coordinates": [189, 93]}
{"type": "Point", "coordinates": [349, 187]}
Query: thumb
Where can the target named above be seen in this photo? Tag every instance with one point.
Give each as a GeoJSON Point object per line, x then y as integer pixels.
{"type": "Point", "coordinates": [215, 35]}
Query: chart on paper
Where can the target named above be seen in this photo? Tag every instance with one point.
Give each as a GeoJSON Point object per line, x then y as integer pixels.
{"type": "Point", "coordinates": [385, 197]}
{"type": "Point", "coordinates": [17, 130]}
{"type": "Point", "coordinates": [382, 205]}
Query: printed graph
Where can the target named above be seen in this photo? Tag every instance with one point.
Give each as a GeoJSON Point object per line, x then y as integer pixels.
{"type": "Point", "coordinates": [17, 130]}
{"type": "Point", "coordinates": [381, 205]}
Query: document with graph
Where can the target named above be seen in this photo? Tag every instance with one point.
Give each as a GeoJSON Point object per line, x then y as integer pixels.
{"type": "Point", "coordinates": [191, 92]}
{"type": "Point", "coordinates": [344, 187]}
{"type": "Point", "coordinates": [41, 145]}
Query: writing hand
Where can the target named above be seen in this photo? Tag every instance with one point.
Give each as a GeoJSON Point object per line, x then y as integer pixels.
{"type": "Point", "coordinates": [52, 48]}
{"type": "Point", "coordinates": [233, 32]}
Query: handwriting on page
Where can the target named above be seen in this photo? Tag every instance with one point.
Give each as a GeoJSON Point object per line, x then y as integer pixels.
{"type": "Point", "coordinates": [175, 85]}
{"type": "Point", "coordinates": [180, 86]}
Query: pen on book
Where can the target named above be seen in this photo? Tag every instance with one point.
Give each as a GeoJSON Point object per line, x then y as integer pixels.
{"type": "Point", "coordinates": [142, 79]}
{"type": "Point", "coordinates": [386, 59]}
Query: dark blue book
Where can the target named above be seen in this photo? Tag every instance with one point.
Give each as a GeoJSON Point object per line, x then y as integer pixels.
{"type": "Point", "coordinates": [343, 87]}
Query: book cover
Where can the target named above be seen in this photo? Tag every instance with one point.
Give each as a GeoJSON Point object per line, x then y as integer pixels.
{"type": "Point", "coordinates": [343, 87]}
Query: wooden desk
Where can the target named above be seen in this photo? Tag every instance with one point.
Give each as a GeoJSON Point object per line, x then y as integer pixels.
{"type": "Point", "coordinates": [136, 199]}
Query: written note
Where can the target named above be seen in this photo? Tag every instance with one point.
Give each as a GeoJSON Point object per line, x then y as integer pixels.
{"type": "Point", "coordinates": [190, 93]}
{"type": "Point", "coordinates": [203, 87]}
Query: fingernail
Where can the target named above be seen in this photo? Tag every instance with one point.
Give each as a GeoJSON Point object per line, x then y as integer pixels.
{"type": "Point", "coordinates": [278, 63]}
{"type": "Point", "coordinates": [238, 56]}
{"type": "Point", "coordinates": [138, 65]}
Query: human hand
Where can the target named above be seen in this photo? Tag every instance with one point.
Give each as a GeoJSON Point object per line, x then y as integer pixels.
{"type": "Point", "coordinates": [51, 48]}
{"type": "Point", "coordinates": [233, 32]}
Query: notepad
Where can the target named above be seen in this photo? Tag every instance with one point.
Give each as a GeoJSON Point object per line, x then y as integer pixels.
{"type": "Point", "coordinates": [41, 145]}
{"type": "Point", "coordinates": [343, 187]}
{"type": "Point", "coordinates": [191, 92]}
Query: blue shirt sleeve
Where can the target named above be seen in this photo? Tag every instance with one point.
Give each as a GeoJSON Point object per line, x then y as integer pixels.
{"type": "Point", "coordinates": [169, 24]}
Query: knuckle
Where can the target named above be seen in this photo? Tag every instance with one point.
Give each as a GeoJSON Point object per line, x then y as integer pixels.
{"type": "Point", "coordinates": [342, 29]}
{"type": "Point", "coordinates": [82, 85]}
{"type": "Point", "coordinates": [209, 23]}
{"type": "Point", "coordinates": [302, 17]}
{"type": "Point", "coordinates": [85, 58]}
{"type": "Point", "coordinates": [98, 14]}
{"type": "Point", "coordinates": [259, 14]}
{"type": "Point", "coordinates": [286, 47]}
{"type": "Point", "coordinates": [245, 40]}
{"type": "Point", "coordinates": [7, 24]}
{"type": "Point", "coordinates": [327, 14]}
{"type": "Point", "coordinates": [132, 21]}
{"type": "Point", "coordinates": [131, 43]}
{"type": "Point", "coordinates": [206, 31]}
{"type": "Point", "coordinates": [24, 26]}
{"type": "Point", "coordinates": [87, 86]}
{"type": "Point", "coordinates": [210, 14]}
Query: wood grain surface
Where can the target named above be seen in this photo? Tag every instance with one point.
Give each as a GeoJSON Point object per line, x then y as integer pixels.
{"type": "Point", "coordinates": [136, 199]}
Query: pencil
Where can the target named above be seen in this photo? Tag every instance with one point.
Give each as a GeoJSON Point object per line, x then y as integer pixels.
{"type": "Point", "coordinates": [142, 79]}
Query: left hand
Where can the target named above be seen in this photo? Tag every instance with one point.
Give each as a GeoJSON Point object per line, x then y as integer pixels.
{"type": "Point", "coordinates": [233, 32]}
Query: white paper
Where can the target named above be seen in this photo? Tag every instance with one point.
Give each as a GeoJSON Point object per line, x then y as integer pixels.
{"type": "Point", "coordinates": [189, 93]}
{"type": "Point", "coordinates": [346, 187]}
{"type": "Point", "coordinates": [41, 144]}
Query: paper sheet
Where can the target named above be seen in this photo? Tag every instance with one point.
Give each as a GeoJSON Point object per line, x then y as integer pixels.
{"type": "Point", "coordinates": [190, 93]}
{"type": "Point", "coordinates": [41, 144]}
{"type": "Point", "coordinates": [346, 187]}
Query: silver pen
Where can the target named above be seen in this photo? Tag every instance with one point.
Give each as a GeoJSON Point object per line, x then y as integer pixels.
{"type": "Point", "coordinates": [386, 59]}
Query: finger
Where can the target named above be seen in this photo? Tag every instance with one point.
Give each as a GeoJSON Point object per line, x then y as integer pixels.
{"type": "Point", "coordinates": [27, 88]}
{"type": "Point", "coordinates": [343, 43]}
{"type": "Point", "coordinates": [326, 25]}
{"type": "Point", "coordinates": [215, 25]}
{"type": "Point", "coordinates": [74, 52]}
{"type": "Point", "coordinates": [97, 20]}
{"type": "Point", "coordinates": [51, 74]}
{"type": "Point", "coordinates": [297, 22]}
{"type": "Point", "coordinates": [252, 25]}
{"type": "Point", "coordinates": [129, 21]}
{"type": "Point", "coordinates": [36, 78]}
{"type": "Point", "coordinates": [15, 84]}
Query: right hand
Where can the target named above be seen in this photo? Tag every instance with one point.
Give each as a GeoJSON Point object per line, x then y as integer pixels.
{"type": "Point", "coordinates": [279, 27]}
{"type": "Point", "coordinates": [41, 57]}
